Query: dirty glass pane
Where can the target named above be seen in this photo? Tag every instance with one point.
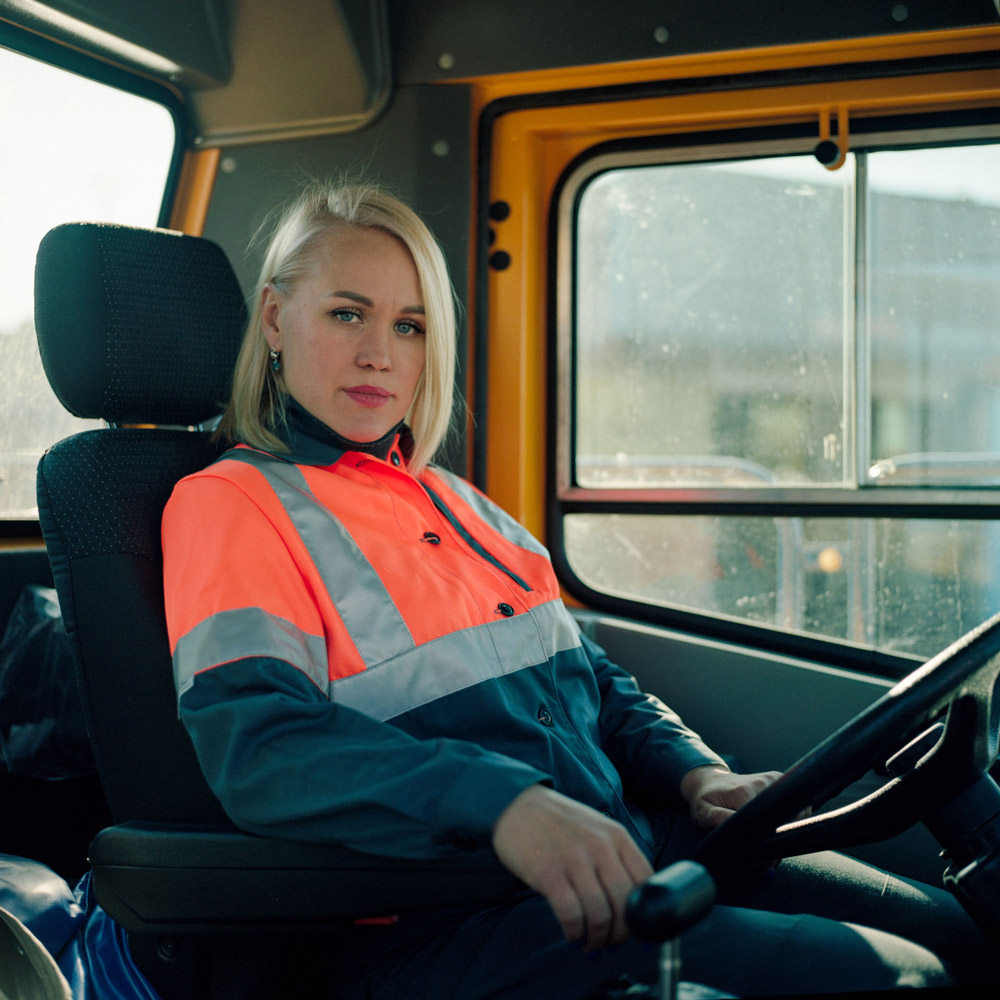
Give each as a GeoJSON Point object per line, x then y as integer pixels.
{"type": "Point", "coordinates": [73, 150]}
{"type": "Point", "coordinates": [710, 324]}
{"type": "Point", "coordinates": [767, 322]}
{"type": "Point", "coordinates": [933, 272]}
{"type": "Point", "coordinates": [907, 586]}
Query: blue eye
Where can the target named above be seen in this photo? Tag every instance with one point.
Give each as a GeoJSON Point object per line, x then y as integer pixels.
{"type": "Point", "coordinates": [346, 315]}
{"type": "Point", "coordinates": [409, 328]}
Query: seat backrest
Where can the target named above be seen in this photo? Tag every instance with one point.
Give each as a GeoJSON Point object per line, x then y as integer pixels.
{"type": "Point", "coordinates": [140, 328]}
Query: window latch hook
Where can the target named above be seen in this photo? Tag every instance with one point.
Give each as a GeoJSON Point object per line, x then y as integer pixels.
{"type": "Point", "coordinates": [832, 153]}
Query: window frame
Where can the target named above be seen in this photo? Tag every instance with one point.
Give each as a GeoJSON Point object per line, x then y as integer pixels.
{"type": "Point", "coordinates": [58, 56]}
{"type": "Point", "coordinates": [862, 501]}
{"type": "Point", "coordinates": [72, 60]}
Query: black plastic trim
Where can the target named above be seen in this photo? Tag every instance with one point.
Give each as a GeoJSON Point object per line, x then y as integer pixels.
{"type": "Point", "coordinates": [866, 506]}
{"type": "Point", "coordinates": [12, 527]}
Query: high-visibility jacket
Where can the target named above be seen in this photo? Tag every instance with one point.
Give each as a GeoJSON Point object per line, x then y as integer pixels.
{"type": "Point", "coordinates": [380, 660]}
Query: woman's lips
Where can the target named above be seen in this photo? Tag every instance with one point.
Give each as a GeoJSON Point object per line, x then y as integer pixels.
{"type": "Point", "coordinates": [369, 395]}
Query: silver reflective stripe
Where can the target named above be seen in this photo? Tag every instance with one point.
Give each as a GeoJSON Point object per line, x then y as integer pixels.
{"type": "Point", "coordinates": [234, 635]}
{"type": "Point", "coordinates": [364, 605]}
{"type": "Point", "coordinates": [493, 515]}
{"type": "Point", "coordinates": [458, 661]}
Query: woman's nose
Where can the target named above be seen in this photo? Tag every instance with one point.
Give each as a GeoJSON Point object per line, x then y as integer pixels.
{"type": "Point", "coordinates": [375, 349]}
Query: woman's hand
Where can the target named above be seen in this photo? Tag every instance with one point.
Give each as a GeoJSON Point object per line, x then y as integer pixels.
{"type": "Point", "coordinates": [714, 793]}
{"type": "Point", "coordinates": [582, 862]}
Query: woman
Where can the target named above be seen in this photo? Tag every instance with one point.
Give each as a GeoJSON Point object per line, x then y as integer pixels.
{"type": "Point", "coordinates": [369, 652]}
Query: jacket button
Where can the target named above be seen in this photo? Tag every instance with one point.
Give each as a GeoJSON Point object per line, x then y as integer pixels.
{"type": "Point", "coordinates": [505, 609]}
{"type": "Point", "coordinates": [394, 458]}
{"type": "Point", "coordinates": [544, 716]}
{"type": "Point", "coordinates": [431, 538]}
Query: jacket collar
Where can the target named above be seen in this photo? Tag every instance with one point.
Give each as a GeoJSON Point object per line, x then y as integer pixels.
{"type": "Point", "coordinates": [312, 442]}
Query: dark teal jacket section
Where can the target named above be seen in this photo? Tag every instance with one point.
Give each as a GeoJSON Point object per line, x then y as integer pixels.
{"type": "Point", "coordinates": [285, 761]}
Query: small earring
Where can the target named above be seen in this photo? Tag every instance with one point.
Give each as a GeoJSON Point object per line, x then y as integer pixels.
{"type": "Point", "coordinates": [275, 360]}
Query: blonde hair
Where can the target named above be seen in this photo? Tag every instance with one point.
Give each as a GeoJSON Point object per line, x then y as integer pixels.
{"type": "Point", "coordinates": [256, 409]}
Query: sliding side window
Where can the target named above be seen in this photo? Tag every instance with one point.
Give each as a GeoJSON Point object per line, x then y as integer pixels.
{"type": "Point", "coordinates": [784, 406]}
{"type": "Point", "coordinates": [73, 150]}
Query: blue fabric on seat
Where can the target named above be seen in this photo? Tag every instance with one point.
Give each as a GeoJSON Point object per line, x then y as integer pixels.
{"type": "Point", "coordinates": [48, 907]}
{"type": "Point", "coordinates": [90, 950]}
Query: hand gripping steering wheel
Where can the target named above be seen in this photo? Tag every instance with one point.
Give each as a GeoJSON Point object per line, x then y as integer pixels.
{"type": "Point", "coordinates": [955, 687]}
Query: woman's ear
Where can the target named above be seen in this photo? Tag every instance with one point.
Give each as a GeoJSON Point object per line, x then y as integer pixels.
{"type": "Point", "coordinates": [270, 315]}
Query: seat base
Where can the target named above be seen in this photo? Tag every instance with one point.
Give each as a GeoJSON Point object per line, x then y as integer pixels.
{"type": "Point", "coordinates": [163, 879]}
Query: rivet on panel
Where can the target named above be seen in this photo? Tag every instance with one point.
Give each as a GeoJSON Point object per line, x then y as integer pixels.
{"type": "Point", "coordinates": [499, 211]}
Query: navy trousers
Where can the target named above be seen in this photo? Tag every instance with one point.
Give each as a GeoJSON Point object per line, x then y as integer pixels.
{"type": "Point", "coordinates": [817, 924]}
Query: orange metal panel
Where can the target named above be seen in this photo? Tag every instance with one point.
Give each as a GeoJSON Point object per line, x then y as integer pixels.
{"type": "Point", "coordinates": [532, 148]}
{"type": "Point", "coordinates": [21, 543]}
{"type": "Point", "coordinates": [884, 48]}
{"type": "Point", "coordinates": [194, 191]}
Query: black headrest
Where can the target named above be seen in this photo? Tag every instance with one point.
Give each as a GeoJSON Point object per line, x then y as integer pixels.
{"type": "Point", "coordinates": [137, 325]}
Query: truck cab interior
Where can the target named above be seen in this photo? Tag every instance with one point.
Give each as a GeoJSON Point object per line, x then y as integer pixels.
{"type": "Point", "coordinates": [728, 288]}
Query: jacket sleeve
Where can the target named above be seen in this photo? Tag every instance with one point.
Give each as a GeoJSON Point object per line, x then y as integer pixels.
{"type": "Point", "coordinates": [647, 742]}
{"type": "Point", "coordinates": [250, 661]}
{"type": "Point", "coordinates": [286, 762]}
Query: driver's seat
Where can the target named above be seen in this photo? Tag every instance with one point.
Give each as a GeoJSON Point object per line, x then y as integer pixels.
{"type": "Point", "coordinates": [140, 328]}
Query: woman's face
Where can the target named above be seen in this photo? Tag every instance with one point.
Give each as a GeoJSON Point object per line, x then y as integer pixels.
{"type": "Point", "coordinates": [351, 332]}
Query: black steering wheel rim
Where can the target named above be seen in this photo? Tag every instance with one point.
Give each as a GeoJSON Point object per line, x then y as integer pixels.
{"type": "Point", "coordinates": [956, 685]}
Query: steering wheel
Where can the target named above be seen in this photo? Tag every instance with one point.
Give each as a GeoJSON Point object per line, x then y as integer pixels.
{"type": "Point", "coordinates": [956, 685]}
